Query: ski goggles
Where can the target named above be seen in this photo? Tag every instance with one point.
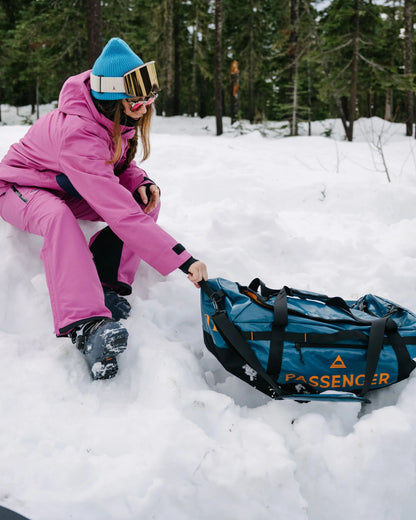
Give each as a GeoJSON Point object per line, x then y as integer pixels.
{"type": "Point", "coordinates": [139, 82]}
{"type": "Point", "coordinates": [135, 105]}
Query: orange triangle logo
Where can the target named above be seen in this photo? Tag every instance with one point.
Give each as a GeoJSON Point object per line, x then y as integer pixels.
{"type": "Point", "coordinates": [338, 363]}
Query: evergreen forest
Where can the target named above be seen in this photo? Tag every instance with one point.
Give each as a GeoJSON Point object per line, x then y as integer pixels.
{"type": "Point", "coordinates": [292, 60]}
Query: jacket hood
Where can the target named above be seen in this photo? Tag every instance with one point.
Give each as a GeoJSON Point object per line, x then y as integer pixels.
{"type": "Point", "coordinates": [75, 99]}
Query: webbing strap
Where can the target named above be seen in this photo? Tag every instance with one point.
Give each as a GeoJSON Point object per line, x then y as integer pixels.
{"type": "Point", "coordinates": [228, 330]}
{"type": "Point", "coordinates": [375, 344]}
{"type": "Point", "coordinates": [405, 363]}
{"type": "Point", "coordinates": [281, 319]}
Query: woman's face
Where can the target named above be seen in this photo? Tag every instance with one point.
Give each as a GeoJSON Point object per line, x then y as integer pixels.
{"type": "Point", "coordinates": [137, 114]}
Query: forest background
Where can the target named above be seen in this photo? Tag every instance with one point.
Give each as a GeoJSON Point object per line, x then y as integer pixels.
{"type": "Point", "coordinates": [286, 60]}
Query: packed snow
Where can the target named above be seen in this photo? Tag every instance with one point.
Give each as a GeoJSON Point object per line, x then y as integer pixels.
{"type": "Point", "coordinates": [174, 436]}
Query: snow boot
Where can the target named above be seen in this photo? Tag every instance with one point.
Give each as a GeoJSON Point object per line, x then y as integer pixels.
{"type": "Point", "coordinates": [101, 340]}
{"type": "Point", "coordinates": [120, 308]}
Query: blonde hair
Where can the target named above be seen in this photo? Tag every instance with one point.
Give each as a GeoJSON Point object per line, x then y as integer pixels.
{"type": "Point", "coordinates": [142, 127]}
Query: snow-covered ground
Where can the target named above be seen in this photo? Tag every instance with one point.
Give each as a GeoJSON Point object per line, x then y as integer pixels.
{"type": "Point", "coordinates": [174, 437]}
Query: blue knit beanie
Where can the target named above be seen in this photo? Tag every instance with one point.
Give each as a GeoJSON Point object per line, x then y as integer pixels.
{"type": "Point", "coordinates": [115, 60]}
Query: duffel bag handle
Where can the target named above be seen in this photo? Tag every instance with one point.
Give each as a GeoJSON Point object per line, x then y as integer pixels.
{"type": "Point", "coordinates": [206, 288]}
{"type": "Point", "coordinates": [267, 292]}
{"type": "Point", "coordinates": [217, 297]}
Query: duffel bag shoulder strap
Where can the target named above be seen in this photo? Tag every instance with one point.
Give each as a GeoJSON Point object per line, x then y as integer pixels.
{"type": "Point", "coordinates": [234, 338]}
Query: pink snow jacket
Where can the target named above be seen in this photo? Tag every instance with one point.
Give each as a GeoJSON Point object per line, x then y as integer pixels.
{"type": "Point", "coordinates": [76, 139]}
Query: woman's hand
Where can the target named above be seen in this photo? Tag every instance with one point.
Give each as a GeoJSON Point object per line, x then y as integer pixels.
{"type": "Point", "coordinates": [197, 272]}
{"type": "Point", "coordinates": [149, 201]}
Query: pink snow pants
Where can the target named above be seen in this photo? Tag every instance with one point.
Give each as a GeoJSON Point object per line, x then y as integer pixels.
{"type": "Point", "coordinates": [75, 271]}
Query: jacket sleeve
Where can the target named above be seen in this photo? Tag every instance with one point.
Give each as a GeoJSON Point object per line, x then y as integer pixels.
{"type": "Point", "coordinates": [83, 159]}
{"type": "Point", "coordinates": [133, 177]}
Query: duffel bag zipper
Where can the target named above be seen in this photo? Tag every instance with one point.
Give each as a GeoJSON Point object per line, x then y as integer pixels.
{"type": "Point", "coordinates": [298, 347]}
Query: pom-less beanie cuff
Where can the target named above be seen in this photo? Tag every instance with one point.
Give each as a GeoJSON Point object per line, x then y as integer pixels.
{"type": "Point", "coordinates": [115, 60]}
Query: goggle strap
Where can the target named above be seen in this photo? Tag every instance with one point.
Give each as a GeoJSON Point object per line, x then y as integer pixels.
{"type": "Point", "coordinates": [104, 84]}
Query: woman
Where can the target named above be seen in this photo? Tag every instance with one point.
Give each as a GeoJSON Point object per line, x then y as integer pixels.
{"type": "Point", "coordinates": [77, 163]}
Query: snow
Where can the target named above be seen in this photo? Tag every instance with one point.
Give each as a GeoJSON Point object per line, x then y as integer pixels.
{"type": "Point", "coordinates": [174, 436]}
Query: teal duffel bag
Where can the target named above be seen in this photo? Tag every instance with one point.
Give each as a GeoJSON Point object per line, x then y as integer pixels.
{"type": "Point", "coordinates": [292, 344]}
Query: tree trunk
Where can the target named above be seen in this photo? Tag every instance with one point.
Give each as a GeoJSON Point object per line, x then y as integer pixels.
{"type": "Point", "coordinates": [37, 98]}
{"type": "Point", "coordinates": [294, 123]}
{"type": "Point", "coordinates": [195, 45]}
{"type": "Point", "coordinates": [177, 69]}
{"type": "Point", "coordinates": [169, 53]}
{"type": "Point", "coordinates": [94, 30]}
{"type": "Point", "coordinates": [218, 65]}
{"type": "Point", "coordinates": [251, 102]}
{"type": "Point", "coordinates": [354, 70]}
{"type": "Point", "coordinates": [294, 36]}
{"type": "Point", "coordinates": [408, 57]}
{"type": "Point", "coordinates": [309, 98]}
{"type": "Point", "coordinates": [388, 105]}
{"type": "Point", "coordinates": [203, 111]}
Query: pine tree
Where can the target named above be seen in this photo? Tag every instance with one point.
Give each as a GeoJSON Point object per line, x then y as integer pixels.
{"type": "Point", "coordinates": [41, 50]}
{"type": "Point", "coordinates": [250, 30]}
{"type": "Point", "coordinates": [348, 51]}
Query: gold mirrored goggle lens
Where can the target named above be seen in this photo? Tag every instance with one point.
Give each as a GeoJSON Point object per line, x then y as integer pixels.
{"type": "Point", "coordinates": [142, 81]}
